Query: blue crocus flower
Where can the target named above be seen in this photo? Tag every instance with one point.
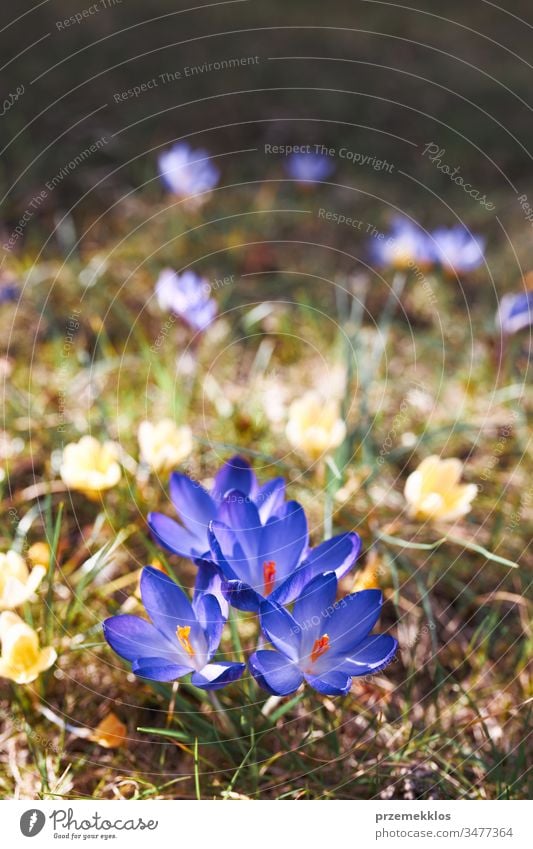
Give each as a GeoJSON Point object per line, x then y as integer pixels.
{"type": "Point", "coordinates": [309, 167]}
{"type": "Point", "coordinates": [272, 559]}
{"type": "Point", "coordinates": [9, 292]}
{"type": "Point", "coordinates": [323, 643]}
{"type": "Point", "coordinates": [457, 250]}
{"type": "Point", "coordinates": [181, 638]}
{"type": "Point", "coordinates": [186, 295]}
{"type": "Point", "coordinates": [196, 507]}
{"type": "Point", "coordinates": [406, 246]}
{"type": "Point", "coordinates": [186, 171]}
{"type": "Point", "coordinates": [515, 312]}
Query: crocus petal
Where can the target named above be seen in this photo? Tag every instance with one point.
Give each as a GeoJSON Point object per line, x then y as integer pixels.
{"type": "Point", "coordinates": [16, 592]}
{"type": "Point", "coordinates": [158, 669]}
{"type": "Point", "coordinates": [47, 657]}
{"type": "Point", "coordinates": [236, 473]}
{"type": "Point", "coordinates": [36, 575]}
{"type": "Point", "coordinates": [284, 540]}
{"type": "Point", "coordinates": [239, 513]}
{"type": "Point", "coordinates": [449, 473]}
{"type": "Point", "coordinates": [194, 505]}
{"type": "Point", "coordinates": [515, 312]}
{"type": "Point", "coordinates": [280, 628]}
{"type": "Point", "coordinates": [332, 683]}
{"type": "Point", "coordinates": [372, 654]}
{"type": "Point", "coordinates": [209, 581]}
{"type": "Point", "coordinates": [352, 619]}
{"type": "Point", "coordinates": [202, 315]}
{"type": "Point", "coordinates": [413, 487]}
{"type": "Point", "coordinates": [241, 596]}
{"type": "Point", "coordinates": [166, 604]}
{"type": "Point", "coordinates": [315, 601]}
{"type": "Point", "coordinates": [337, 554]}
{"type": "Point", "coordinates": [270, 498]}
{"type": "Point", "coordinates": [465, 494]}
{"type": "Point", "coordinates": [275, 673]}
{"type": "Point", "coordinates": [291, 587]}
{"type": "Point", "coordinates": [175, 538]}
{"type": "Point", "coordinates": [132, 637]}
{"type": "Point", "coordinates": [227, 552]}
{"type": "Point", "coordinates": [212, 621]}
{"type": "Point", "coordinates": [216, 675]}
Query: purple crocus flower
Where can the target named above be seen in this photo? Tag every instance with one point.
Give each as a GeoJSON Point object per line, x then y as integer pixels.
{"type": "Point", "coordinates": [323, 643]}
{"type": "Point", "coordinates": [457, 250]}
{"type": "Point", "coordinates": [186, 295]}
{"type": "Point", "coordinates": [406, 246]}
{"type": "Point", "coordinates": [309, 167]}
{"type": "Point", "coordinates": [196, 507]}
{"type": "Point", "coordinates": [9, 292]}
{"type": "Point", "coordinates": [515, 312]}
{"type": "Point", "coordinates": [181, 638]}
{"type": "Point", "coordinates": [271, 559]}
{"type": "Point", "coordinates": [186, 171]}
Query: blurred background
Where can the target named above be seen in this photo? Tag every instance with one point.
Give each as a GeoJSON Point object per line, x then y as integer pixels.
{"type": "Point", "coordinates": [384, 79]}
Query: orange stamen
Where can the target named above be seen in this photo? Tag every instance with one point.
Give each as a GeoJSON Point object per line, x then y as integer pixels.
{"type": "Point", "coordinates": [182, 633]}
{"type": "Point", "coordinates": [269, 576]}
{"type": "Point", "coordinates": [320, 647]}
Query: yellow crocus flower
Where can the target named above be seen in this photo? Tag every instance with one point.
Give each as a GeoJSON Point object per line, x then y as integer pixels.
{"type": "Point", "coordinates": [433, 491]}
{"type": "Point", "coordinates": [90, 466]}
{"type": "Point", "coordinates": [314, 426]}
{"type": "Point", "coordinates": [17, 583]}
{"type": "Point", "coordinates": [22, 659]}
{"type": "Point", "coordinates": [164, 445]}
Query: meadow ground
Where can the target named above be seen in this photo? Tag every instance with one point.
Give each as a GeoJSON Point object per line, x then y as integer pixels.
{"type": "Point", "coordinates": [419, 372]}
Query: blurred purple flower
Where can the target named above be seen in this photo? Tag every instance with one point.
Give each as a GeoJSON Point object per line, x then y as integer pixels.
{"type": "Point", "coordinates": [186, 295]}
{"type": "Point", "coordinates": [9, 292]}
{"type": "Point", "coordinates": [186, 171]}
{"type": "Point", "coordinates": [515, 312]}
{"type": "Point", "coordinates": [407, 245]}
{"type": "Point", "coordinates": [309, 167]}
{"type": "Point", "coordinates": [457, 250]}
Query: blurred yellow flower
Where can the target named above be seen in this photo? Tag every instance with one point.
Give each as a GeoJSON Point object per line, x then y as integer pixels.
{"type": "Point", "coordinates": [17, 583]}
{"type": "Point", "coordinates": [314, 426]}
{"type": "Point", "coordinates": [39, 554]}
{"type": "Point", "coordinates": [433, 491]}
{"type": "Point", "coordinates": [164, 445]}
{"type": "Point", "coordinates": [110, 732]}
{"type": "Point", "coordinates": [22, 659]}
{"type": "Point", "coordinates": [90, 466]}
{"type": "Point", "coordinates": [368, 578]}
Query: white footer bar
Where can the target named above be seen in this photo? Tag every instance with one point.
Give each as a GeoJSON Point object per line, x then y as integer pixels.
{"type": "Point", "coordinates": [248, 825]}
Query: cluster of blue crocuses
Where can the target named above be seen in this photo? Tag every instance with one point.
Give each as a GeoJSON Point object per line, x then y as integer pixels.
{"type": "Point", "coordinates": [455, 249]}
{"type": "Point", "coordinates": [189, 172]}
{"type": "Point", "coordinates": [251, 547]}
